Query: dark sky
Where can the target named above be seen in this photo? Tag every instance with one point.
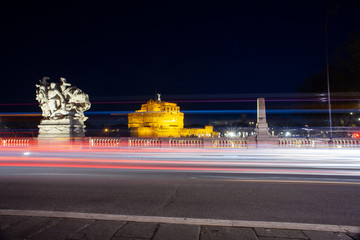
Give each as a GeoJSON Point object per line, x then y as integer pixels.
{"type": "Point", "coordinates": [127, 48]}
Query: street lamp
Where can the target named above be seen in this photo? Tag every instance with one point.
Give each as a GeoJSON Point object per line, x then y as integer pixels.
{"type": "Point", "coordinates": [327, 69]}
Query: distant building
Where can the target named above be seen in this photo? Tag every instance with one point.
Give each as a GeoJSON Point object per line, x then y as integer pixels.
{"type": "Point", "coordinates": [163, 119]}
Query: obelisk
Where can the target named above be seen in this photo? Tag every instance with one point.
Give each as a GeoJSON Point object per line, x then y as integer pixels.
{"type": "Point", "coordinates": [262, 129]}
{"type": "Point", "coordinates": [262, 137]}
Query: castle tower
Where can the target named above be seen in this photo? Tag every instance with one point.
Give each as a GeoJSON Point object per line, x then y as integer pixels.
{"type": "Point", "coordinates": [157, 118]}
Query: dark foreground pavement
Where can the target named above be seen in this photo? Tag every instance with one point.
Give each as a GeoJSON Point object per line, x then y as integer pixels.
{"type": "Point", "coordinates": [48, 228]}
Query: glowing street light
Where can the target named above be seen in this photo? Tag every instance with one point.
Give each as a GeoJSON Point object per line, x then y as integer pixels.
{"type": "Point", "coordinates": [231, 134]}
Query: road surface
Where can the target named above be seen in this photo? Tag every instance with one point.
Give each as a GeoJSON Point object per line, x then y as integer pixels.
{"type": "Point", "coordinates": [301, 186]}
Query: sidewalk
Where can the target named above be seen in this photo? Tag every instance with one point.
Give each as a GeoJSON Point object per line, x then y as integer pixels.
{"type": "Point", "coordinates": [48, 228]}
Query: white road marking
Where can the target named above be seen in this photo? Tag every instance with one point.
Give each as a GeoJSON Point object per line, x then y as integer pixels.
{"type": "Point", "coordinates": [188, 221]}
{"type": "Point", "coordinates": [290, 181]}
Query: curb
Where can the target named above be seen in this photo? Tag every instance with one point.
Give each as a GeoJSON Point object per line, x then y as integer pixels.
{"type": "Point", "coordinates": [186, 221]}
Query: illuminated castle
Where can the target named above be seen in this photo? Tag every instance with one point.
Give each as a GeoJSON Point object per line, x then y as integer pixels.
{"type": "Point", "coordinates": [163, 119]}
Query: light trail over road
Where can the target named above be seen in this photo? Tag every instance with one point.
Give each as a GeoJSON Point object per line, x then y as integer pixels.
{"type": "Point", "coordinates": [314, 162]}
{"type": "Point", "coordinates": [320, 186]}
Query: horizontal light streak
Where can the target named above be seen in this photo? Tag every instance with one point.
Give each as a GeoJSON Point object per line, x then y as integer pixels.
{"type": "Point", "coordinates": [270, 111]}
{"type": "Point", "coordinates": [168, 168]}
{"type": "Point", "coordinates": [17, 104]}
{"type": "Point", "coordinates": [209, 100]}
{"type": "Point", "coordinates": [238, 162]}
{"type": "Point", "coordinates": [173, 165]}
{"type": "Point", "coordinates": [234, 111]}
{"type": "Point", "coordinates": [20, 114]}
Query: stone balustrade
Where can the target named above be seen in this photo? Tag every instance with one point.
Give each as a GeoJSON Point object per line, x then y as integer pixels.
{"type": "Point", "coordinates": [105, 142]}
{"type": "Point", "coordinates": [346, 143]}
{"type": "Point", "coordinates": [186, 143]}
{"type": "Point", "coordinates": [144, 142]}
{"type": "Point", "coordinates": [229, 143]}
{"type": "Point", "coordinates": [319, 143]}
{"type": "Point", "coordinates": [15, 142]}
{"type": "Point", "coordinates": [296, 143]}
{"type": "Point", "coordinates": [200, 143]}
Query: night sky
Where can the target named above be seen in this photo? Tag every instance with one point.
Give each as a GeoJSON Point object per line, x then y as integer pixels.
{"type": "Point", "coordinates": [122, 49]}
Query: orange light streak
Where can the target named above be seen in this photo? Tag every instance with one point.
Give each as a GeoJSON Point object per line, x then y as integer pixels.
{"type": "Point", "coordinates": [107, 160]}
{"type": "Point", "coordinates": [106, 165]}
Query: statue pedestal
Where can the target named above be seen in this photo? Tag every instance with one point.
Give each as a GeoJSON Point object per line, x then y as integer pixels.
{"type": "Point", "coordinates": [262, 139]}
{"type": "Point", "coordinates": [62, 128]}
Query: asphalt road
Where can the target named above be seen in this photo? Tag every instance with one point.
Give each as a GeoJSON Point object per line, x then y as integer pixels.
{"type": "Point", "coordinates": [283, 187]}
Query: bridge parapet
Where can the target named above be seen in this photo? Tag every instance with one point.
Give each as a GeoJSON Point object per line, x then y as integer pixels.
{"type": "Point", "coordinates": [144, 142]}
{"type": "Point", "coordinates": [298, 143]}
{"type": "Point", "coordinates": [346, 143]}
{"type": "Point", "coordinates": [105, 142]}
{"type": "Point", "coordinates": [199, 143]}
{"type": "Point", "coordinates": [186, 143]}
{"type": "Point", "coordinates": [229, 143]}
{"type": "Point", "coordinates": [319, 143]}
{"type": "Point", "coordinates": [15, 142]}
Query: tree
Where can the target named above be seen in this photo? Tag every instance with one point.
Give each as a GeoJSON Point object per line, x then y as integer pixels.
{"type": "Point", "coordinates": [344, 84]}
{"type": "Point", "coordinates": [344, 72]}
